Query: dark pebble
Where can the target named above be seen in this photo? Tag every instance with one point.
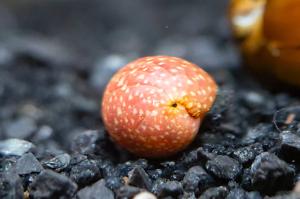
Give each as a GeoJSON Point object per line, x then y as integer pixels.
{"type": "Point", "coordinates": [107, 168]}
{"type": "Point", "coordinates": [290, 146]}
{"type": "Point", "coordinates": [49, 184]}
{"type": "Point", "coordinates": [154, 174]}
{"type": "Point", "coordinates": [246, 182]}
{"type": "Point", "coordinates": [15, 147]}
{"type": "Point", "coordinates": [177, 175]}
{"type": "Point", "coordinates": [77, 158]}
{"type": "Point", "coordinates": [292, 195]}
{"type": "Point", "coordinates": [104, 70]}
{"type": "Point", "coordinates": [196, 179]}
{"type": "Point", "coordinates": [266, 134]}
{"type": "Point", "coordinates": [86, 142]}
{"type": "Point", "coordinates": [188, 195]}
{"type": "Point", "coordinates": [7, 164]}
{"type": "Point", "coordinates": [157, 185]}
{"type": "Point", "coordinates": [209, 151]}
{"type": "Point", "coordinates": [257, 132]}
{"type": "Point", "coordinates": [214, 193]}
{"type": "Point", "coordinates": [254, 195]}
{"type": "Point", "coordinates": [114, 182]}
{"type": "Point", "coordinates": [139, 178]}
{"type": "Point", "coordinates": [95, 191]}
{"type": "Point", "coordinates": [28, 164]}
{"type": "Point", "coordinates": [252, 99]}
{"type": "Point", "coordinates": [59, 162]}
{"type": "Point", "coordinates": [85, 172]}
{"type": "Point", "coordinates": [191, 158]}
{"type": "Point", "coordinates": [21, 128]}
{"type": "Point", "coordinates": [10, 186]}
{"type": "Point", "coordinates": [237, 193]}
{"type": "Point", "coordinates": [270, 174]}
{"type": "Point", "coordinates": [127, 192]}
{"type": "Point", "coordinates": [246, 155]}
{"type": "Point", "coordinates": [224, 167]}
{"type": "Point", "coordinates": [170, 188]}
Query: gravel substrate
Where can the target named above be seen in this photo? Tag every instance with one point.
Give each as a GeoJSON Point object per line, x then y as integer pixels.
{"type": "Point", "coordinates": [52, 140]}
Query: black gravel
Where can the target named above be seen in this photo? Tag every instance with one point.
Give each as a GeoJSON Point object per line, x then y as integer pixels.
{"type": "Point", "coordinates": [55, 60]}
{"type": "Point", "coordinates": [49, 184]}
{"type": "Point", "coordinates": [95, 191]}
{"type": "Point", "coordinates": [268, 172]}
{"type": "Point", "coordinates": [224, 167]}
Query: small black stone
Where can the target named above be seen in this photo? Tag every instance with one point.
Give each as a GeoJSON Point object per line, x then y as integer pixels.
{"type": "Point", "coordinates": [157, 185]}
{"type": "Point", "coordinates": [263, 133]}
{"type": "Point", "coordinates": [270, 174]}
{"type": "Point", "coordinates": [86, 142]}
{"type": "Point", "coordinates": [170, 188]}
{"type": "Point", "coordinates": [28, 164]}
{"type": "Point", "coordinates": [59, 162]}
{"type": "Point", "coordinates": [114, 182]}
{"type": "Point", "coordinates": [247, 154]}
{"type": "Point", "coordinates": [214, 193]}
{"type": "Point", "coordinates": [154, 174]}
{"type": "Point", "coordinates": [246, 179]}
{"type": "Point", "coordinates": [107, 168]}
{"type": "Point", "coordinates": [290, 146]}
{"type": "Point", "coordinates": [188, 195]}
{"type": "Point", "coordinates": [97, 190]}
{"type": "Point", "coordinates": [85, 172]}
{"type": "Point", "coordinates": [127, 192]}
{"type": "Point", "coordinates": [196, 179]}
{"type": "Point", "coordinates": [191, 157]}
{"type": "Point", "coordinates": [21, 128]}
{"type": "Point", "coordinates": [10, 185]}
{"type": "Point", "coordinates": [139, 178]}
{"type": "Point", "coordinates": [209, 151]}
{"type": "Point", "coordinates": [177, 175]}
{"type": "Point", "coordinates": [49, 184]}
{"type": "Point", "coordinates": [15, 147]}
{"type": "Point", "coordinates": [7, 164]}
{"type": "Point", "coordinates": [77, 158]}
{"type": "Point", "coordinates": [237, 193]}
{"type": "Point", "coordinates": [289, 195]}
{"type": "Point", "coordinates": [224, 167]}
{"type": "Point", "coordinates": [254, 195]}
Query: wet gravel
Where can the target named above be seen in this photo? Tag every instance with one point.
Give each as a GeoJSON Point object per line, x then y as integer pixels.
{"type": "Point", "coordinates": [52, 140]}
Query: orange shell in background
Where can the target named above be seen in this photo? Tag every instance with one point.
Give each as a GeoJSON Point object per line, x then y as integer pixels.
{"type": "Point", "coordinates": [282, 22]}
{"type": "Point", "coordinates": [270, 40]}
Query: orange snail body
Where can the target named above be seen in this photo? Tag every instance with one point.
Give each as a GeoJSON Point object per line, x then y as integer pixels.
{"type": "Point", "coordinates": [153, 106]}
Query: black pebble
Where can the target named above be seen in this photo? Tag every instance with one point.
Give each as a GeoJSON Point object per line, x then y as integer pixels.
{"type": "Point", "coordinates": [49, 184]}
{"type": "Point", "coordinates": [10, 186]}
{"type": "Point", "coordinates": [270, 174]}
{"type": "Point", "coordinates": [214, 193]}
{"type": "Point", "coordinates": [237, 193]}
{"type": "Point", "coordinates": [114, 182]}
{"type": "Point", "coordinates": [85, 172]}
{"type": "Point", "coordinates": [86, 142]}
{"type": "Point", "coordinates": [28, 164]}
{"type": "Point", "coordinates": [21, 128]}
{"type": "Point", "coordinates": [224, 167]}
{"type": "Point", "coordinates": [59, 162]}
{"type": "Point", "coordinates": [170, 188]}
{"type": "Point", "coordinates": [290, 146]}
{"type": "Point", "coordinates": [95, 191]}
{"type": "Point", "coordinates": [139, 178]}
{"type": "Point", "coordinates": [247, 154]}
{"type": "Point", "coordinates": [196, 179]}
{"type": "Point", "coordinates": [127, 192]}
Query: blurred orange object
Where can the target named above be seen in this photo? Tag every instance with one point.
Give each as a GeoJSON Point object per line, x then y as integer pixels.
{"type": "Point", "coordinates": [268, 33]}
